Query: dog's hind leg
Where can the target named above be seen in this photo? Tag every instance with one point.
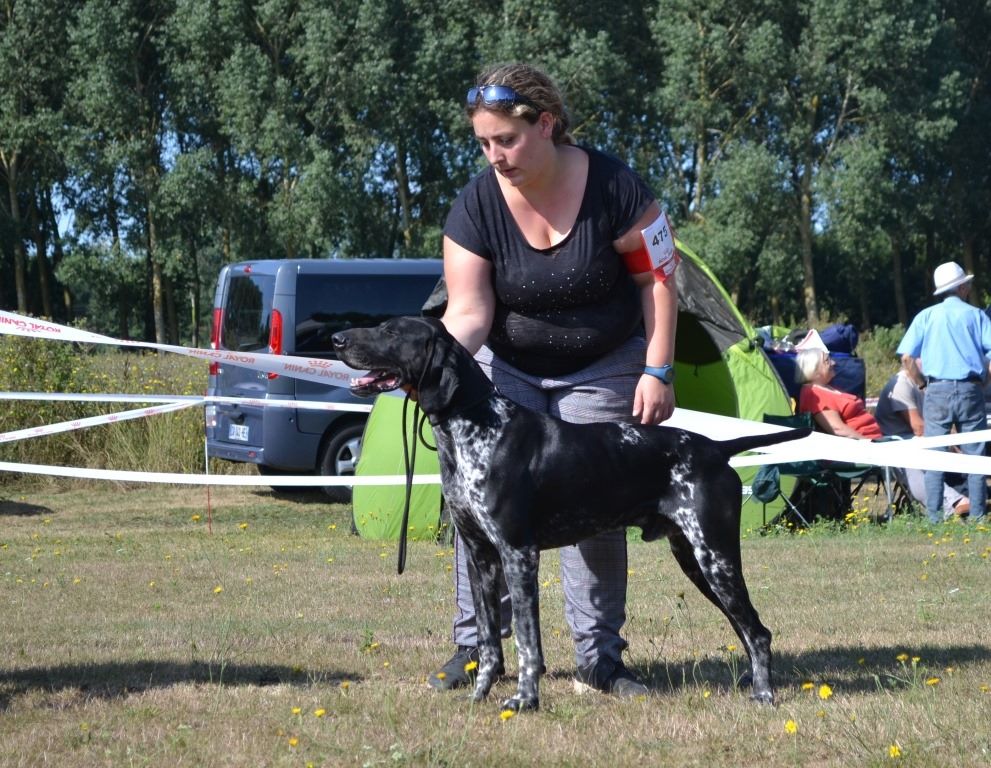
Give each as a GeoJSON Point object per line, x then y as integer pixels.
{"type": "Point", "coordinates": [485, 575]}
{"type": "Point", "coordinates": [521, 565]}
{"type": "Point", "coordinates": [718, 574]}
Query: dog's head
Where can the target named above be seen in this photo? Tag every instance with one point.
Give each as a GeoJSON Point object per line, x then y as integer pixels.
{"type": "Point", "coordinates": [415, 354]}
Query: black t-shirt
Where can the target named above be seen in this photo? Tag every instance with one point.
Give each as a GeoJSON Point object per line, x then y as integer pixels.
{"type": "Point", "coordinates": [559, 308]}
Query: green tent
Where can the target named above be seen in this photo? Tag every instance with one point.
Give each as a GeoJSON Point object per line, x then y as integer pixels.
{"type": "Point", "coordinates": [721, 368]}
{"type": "Point", "coordinates": [378, 509]}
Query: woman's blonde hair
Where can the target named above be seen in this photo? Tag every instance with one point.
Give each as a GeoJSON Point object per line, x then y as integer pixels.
{"type": "Point", "coordinates": [536, 87]}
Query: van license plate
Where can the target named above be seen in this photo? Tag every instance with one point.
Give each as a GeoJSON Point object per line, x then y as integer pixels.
{"type": "Point", "coordinates": [238, 432]}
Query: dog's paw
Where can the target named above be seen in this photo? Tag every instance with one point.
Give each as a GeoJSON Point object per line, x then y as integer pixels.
{"type": "Point", "coordinates": [482, 688]}
{"type": "Point", "coordinates": [520, 704]}
{"type": "Point", "coordinates": [763, 697]}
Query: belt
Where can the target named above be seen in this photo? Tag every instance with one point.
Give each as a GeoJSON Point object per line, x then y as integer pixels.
{"type": "Point", "coordinates": [972, 379]}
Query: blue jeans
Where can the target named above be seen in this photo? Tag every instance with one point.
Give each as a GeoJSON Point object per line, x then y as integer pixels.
{"type": "Point", "coordinates": [957, 404]}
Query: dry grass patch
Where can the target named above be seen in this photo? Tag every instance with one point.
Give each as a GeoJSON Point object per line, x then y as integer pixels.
{"type": "Point", "coordinates": [133, 635]}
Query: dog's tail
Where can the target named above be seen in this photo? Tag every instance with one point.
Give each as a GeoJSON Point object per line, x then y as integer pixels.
{"type": "Point", "coordinates": [749, 442]}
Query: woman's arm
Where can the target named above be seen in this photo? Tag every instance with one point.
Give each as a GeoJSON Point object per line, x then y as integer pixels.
{"type": "Point", "coordinates": [654, 400]}
{"type": "Point", "coordinates": [470, 299]}
{"type": "Point", "coordinates": [831, 422]}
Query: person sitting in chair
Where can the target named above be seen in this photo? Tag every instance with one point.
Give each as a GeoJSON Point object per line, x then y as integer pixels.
{"type": "Point", "coordinates": [834, 411]}
{"type": "Point", "coordinates": [899, 414]}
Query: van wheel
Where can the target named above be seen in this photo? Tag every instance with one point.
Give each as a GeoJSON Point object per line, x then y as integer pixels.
{"type": "Point", "coordinates": [340, 457]}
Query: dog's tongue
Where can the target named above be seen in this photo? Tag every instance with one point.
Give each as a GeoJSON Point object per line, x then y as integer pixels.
{"type": "Point", "coordinates": [361, 381]}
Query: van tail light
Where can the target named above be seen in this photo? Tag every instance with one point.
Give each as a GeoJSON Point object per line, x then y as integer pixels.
{"type": "Point", "coordinates": [215, 325]}
{"type": "Point", "coordinates": [275, 337]}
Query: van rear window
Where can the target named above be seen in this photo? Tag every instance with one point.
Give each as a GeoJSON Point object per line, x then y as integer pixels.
{"type": "Point", "coordinates": [248, 312]}
{"type": "Point", "coordinates": [326, 304]}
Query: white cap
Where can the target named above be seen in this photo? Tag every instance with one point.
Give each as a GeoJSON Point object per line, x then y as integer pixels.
{"type": "Point", "coordinates": [948, 276]}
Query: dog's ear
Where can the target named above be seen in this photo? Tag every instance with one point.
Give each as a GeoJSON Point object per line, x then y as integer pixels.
{"type": "Point", "coordinates": [438, 384]}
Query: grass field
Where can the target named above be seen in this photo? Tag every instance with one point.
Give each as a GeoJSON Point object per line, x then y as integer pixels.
{"type": "Point", "coordinates": [144, 626]}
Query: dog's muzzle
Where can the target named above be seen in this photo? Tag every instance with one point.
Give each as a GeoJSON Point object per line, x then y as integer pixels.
{"type": "Point", "coordinates": [372, 383]}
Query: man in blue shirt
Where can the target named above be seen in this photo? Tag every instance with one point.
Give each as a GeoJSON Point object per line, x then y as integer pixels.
{"type": "Point", "coordinates": [952, 343]}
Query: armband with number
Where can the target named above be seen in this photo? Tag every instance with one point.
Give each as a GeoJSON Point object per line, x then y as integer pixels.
{"type": "Point", "coordinates": [657, 252]}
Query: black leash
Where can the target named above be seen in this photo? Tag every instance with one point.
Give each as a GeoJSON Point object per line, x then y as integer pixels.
{"type": "Point", "coordinates": [409, 461]}
{"type": "Point", "coordinates": [409, 464]}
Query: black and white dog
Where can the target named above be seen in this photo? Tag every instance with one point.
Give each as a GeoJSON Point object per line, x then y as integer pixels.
{"type": "Point", "coordinates": [517, 482]}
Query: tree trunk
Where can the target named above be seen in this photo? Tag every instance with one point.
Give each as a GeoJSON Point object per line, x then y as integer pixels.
{"type": "Point", "coordinates": [20, 257]}
{"type": "Point", "coordinates": [44, 267]}
{"type": "Point", "coordinates": [805, 235]}
{"type": "Point", "coordinates": [969, 260]}
{"type": "Point", "coordinates": [57, 253]}
{"type": "Point", "coordinates": [897, 271]}
{"type": "Point", "coordinates": [194, 294]}
{"type": "Point", "coordinates": [404, 198]}
{"type": "Point", "coordinates": [170, 310]}
{"type": "Point", "coordinates": [157, 282]}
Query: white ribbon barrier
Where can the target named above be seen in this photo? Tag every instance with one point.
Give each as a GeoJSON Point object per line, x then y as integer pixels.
{"type": "Point", "coordinates": [91, 421]}
{"type": "Point", "coordinates": [311, 369]}
{"type": "Point", "coordinates": [175, 478]}
{"type": "Point", "coordinates": [314, 405]}
{"type": "Point", "coordinates": [914, 454]}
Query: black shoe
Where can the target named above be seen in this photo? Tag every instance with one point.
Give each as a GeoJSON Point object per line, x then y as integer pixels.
{"type": "Point", "coordinates": [454, 674]}
{"type": "Point", "coordinates": [611, 677]}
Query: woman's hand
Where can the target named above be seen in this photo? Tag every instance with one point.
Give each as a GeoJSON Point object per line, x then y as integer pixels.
{"type": "Point", "coordinates": [654, 400]}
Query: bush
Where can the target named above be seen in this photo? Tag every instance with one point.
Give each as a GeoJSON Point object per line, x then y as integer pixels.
{"type": "Point", "coordinates": [877, 348]}
{"type": "Point", "coordinates": [163, 443]}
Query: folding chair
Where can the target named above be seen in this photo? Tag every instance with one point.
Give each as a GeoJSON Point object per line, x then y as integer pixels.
{"type": "Point", "coordinates": [826, 488]}
{"type": "Point", "coordinates": [812, 481]}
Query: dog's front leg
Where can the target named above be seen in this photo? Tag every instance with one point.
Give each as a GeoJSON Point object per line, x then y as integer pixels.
{"type": "Point", "coordinates": [485, 576]}
{"type": "Point", "coordinates": [520, 566]}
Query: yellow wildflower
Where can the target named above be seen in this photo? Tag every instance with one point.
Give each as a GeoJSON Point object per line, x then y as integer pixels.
{"type": "Point", "coordinates": [894, 752]}
{"type": "Point", "coordinates": [319, 712]}
{"type": "Point", "coordinates": [791, 726]}
{"type": "Point", "coordinates": [506, 714]}
{"type": "Point", "coordinates": [471, 666]}
{"type": "Point", "coordinates": [825, 691]}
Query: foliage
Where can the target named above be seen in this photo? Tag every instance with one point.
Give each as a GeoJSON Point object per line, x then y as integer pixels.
{"type": "Point", "coordinates": [163, 626]}
{"type": "Point", "coordinates": [165, 443]}
{"type": "Point", "coordinates": [823, 155]}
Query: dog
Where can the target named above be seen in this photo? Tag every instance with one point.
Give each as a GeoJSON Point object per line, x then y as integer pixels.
{"type": "Point", "coordinates": [517, 482]}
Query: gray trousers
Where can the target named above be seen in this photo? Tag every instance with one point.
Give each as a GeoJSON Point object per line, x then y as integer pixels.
{"type": "Point", "coordinates": [594, 571]}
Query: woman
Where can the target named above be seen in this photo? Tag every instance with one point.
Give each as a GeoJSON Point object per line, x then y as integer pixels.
{"type": "Point", "coordinates": [553, 288]}
{"type": "Point", "coordinates": [841, 413]}
{"type": "Point", "coordinates": [834, 411]}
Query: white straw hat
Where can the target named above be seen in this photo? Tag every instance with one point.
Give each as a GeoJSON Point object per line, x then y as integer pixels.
{"type": "Point", "coordinates": [948, 276]}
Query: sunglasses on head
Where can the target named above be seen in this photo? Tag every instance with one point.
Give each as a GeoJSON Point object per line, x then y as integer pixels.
{"type": "Point", "coordinates": [496, 95]}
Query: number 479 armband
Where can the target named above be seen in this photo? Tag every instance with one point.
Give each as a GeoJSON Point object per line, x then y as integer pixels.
{"type": "Point", "coordinates": [657, 252]}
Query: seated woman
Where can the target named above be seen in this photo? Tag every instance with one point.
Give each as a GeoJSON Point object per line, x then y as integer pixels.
{"type": "Point", "coordinates": [834, 411]}
{"type": "Point", "coordinates": [846, 415]}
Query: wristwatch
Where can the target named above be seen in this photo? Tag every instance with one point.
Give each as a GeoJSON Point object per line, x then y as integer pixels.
{"type": "Point", "coordinates": [663, 372]}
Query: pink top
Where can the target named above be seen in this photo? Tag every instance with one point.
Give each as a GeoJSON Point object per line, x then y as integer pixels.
{"type": "Point", "coordinates": [815, 399]}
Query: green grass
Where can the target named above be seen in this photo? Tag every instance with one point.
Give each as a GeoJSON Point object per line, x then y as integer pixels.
{"type": "Point", "coordinates": [144, 626]}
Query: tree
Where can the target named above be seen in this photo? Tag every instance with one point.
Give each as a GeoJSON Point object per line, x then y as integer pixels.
{"type": "Point", "coordinates": [32, 76]}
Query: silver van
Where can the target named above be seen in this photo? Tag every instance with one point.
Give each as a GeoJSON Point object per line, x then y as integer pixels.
{"type": "Point", "coordinates": [293, 307]}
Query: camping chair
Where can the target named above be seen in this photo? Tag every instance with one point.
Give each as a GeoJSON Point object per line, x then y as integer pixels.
{"type": "Point", "coordinates": [810, 475]}
{"type": "Point", "coordinates": [823, 488]}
